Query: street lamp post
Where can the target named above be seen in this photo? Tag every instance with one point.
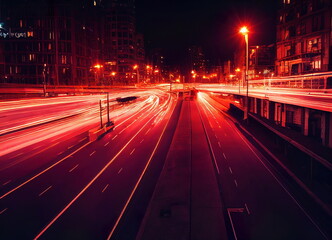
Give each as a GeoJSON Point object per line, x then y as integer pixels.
{"type": "Point", "coordinates": [137, 72]}
{"type": "Point", "coordinates": [244, 31]}
{"type": "Point", "coordinates": [44, 79]}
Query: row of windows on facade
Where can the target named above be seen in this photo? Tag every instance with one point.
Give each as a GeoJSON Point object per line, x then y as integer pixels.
{"type": "Point", "coordinates": [286, 67]}
{"type": "Point", "coordinates": [49, 59]}
{"type": "Point", "coordinates": [124, 42]}
{"type": "Point", "coordinates": [63, 23]}
{"type": "Point", "coordinates": [317, 24]}
{"type": "Point", "coordinates": [119, 34]}
{"type": "Point", "coordinates": [36, 70]}
{"type": "Point", "coordinates": [121, 18]}
{"type": "Point", "coordinates": [311, 46]}
{"type": "Point", "coordinates": [62, 36]}
{"type": "Point", "coordinates": [63, 47]}
{"type": "Point", "coordinates": [301, 7]}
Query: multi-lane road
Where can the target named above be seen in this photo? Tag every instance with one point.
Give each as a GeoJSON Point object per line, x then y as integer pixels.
{"type": "Point", "coordinates": [56, 184]}
{"type": "Point", "coordinates": [257, 202]}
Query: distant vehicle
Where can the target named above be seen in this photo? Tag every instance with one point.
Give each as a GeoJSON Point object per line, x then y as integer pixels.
{"type": "Point", "coordinates": [126, 99]}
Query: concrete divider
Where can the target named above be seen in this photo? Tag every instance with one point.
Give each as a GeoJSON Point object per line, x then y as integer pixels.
{"type": "Point", "coordinates": [96, 133]}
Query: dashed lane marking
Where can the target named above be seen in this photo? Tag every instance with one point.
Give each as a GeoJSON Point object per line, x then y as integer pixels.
{"type": "Point", "coordinates": [105, 188]}
{"type": "Point", "coordinates": [106, 144]}
{"type": "Point", "coordinates": [224, 155]}
{"type": "Point", "coordinates": [247, 209]}
{"type": "Point", "coordinates": [120, 171]}
{"type": "Point", "coordinates": [142, 140]}
{"type": "Point", "coordinates": [114, 137]}
{"type": "Point", "coordinates": [219, 144]}
{"type": "Point", "coordinates": [230, 170]}
{"type": "Point", "coordinates": [235, 183]}
{"type": "Point", "coordinates": [92, 153]}
{"type": "Point", "coordinates": [148, 131]}
{"type": "Point", "coordinates": [6, 183]}
{"type": "Point", "coordinates": [73, 168]}
{"type": "Point", "coordinates": [82, 140]}
{"type": "Point", "coordinates": [4, 210]}
{"type": "Point", "coordinates": [132, 151]}
{"type": "Point", "coordinates": [17, 155]}
{"type": "Point", "coordinates": [40, 194]}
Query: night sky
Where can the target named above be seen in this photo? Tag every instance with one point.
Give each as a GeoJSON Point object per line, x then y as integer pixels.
{"type": "Point", "coordinates": [173, 25]}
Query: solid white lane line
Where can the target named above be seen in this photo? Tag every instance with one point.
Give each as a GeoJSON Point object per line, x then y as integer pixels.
{"type": "Point", "coordinates": [105, 188]}
{"type": "Point", "coordinates": [94, 179]}
{"type": "Point", "coordinates": [132, 151]}
{"type": "Point", "coordinates": [3, 211]}
{"type": "Point", "coordinates": [120, 171]}
{"type": "Point", "coordinates": [138, 182]}
{"type": "Point", "coordinates": [224, 155]}
{"type": "Point", "coordinates": [92, 153]}
{"type": "Point", "coordinates": [114, 137]}
{"type": "Point", "coordinates": [230, 170]}
{"type": "Point", "coordinates": [6, 183]}
{"type": "Point", "coordinates": [73, 168]}
{"type": "Point", "coordinates": [247, 209]}
{"type": "Point", "coordinates": [142, 140]}
{"type": "Point", "coordinates": [106, 144]}
{"type": "Point", "coordinates": [44, 191]}
{"type": "Point", "coordinates": [235, 183]}
{"type": "Point", "coordinates": [277, 180]}
{"type": "Point", "coordinates": [37, 175]}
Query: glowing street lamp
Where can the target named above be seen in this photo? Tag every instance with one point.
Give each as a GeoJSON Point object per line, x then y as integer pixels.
{"type": "Point", "coordinates": [135, 67]}
{"type": "Point", "coordinates": [245, 32]}
{"type": "Point", "coordinates": [97, 68]}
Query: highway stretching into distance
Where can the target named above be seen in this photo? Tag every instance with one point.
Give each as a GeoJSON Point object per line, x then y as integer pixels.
{"type": "Point", "coordinates": [56, 184]}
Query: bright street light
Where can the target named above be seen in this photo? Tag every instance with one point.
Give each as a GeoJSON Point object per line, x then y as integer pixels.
{"type": "Point", "coordinates": [245, 32]}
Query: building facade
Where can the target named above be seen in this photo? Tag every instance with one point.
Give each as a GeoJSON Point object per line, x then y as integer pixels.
{"type": "Point", "coordinates": [124, 47]}
{"type": "Point", "coordinates": [52, 42]}
{"type": "Point", "coordinates": [69, 42]}
{"type": "Point", "coordinates": [304, 37]}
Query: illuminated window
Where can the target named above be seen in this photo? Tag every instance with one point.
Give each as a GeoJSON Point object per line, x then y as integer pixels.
{"type": "Point", "coordinates": [32, 57]}
{"type": "Point", "coordinates": [64, 59]}
{"type": "Point", "coordinates": [316, 64]}
{"type": "Point", "coordinates": [21, 23]}
{"type": "Point", "coordinates": [30, 34]}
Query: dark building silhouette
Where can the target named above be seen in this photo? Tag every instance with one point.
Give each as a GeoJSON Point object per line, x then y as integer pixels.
{"type": "Point", "coordinates": [62, 40]}
{"type": "Point", "coordinates": [124, 48]}
{"type": "Point", "coordinates": [69, 42]}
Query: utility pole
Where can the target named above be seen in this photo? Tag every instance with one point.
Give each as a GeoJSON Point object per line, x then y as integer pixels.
{"type": "Point", "coordinates": [108, 108]}
{"type": "Point", "coordinates": [101, 115]}
{"type": "Point", "coordinates": [44, 79]}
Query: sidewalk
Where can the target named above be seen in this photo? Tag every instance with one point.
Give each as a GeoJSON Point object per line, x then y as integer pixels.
{"type": "Point", "coordinates": [186, 203]}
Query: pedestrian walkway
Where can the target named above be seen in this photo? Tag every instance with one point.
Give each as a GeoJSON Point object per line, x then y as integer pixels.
{"type": "Point", "coordinates": [186, 203]}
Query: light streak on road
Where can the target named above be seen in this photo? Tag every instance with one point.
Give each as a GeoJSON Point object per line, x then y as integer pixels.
{"type": "Point", "coordinates": [93, 180]}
